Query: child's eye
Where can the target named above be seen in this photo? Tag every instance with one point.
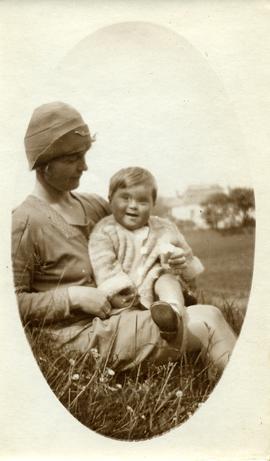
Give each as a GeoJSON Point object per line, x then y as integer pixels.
{"type": "Point", "coordinates": [143, 201]}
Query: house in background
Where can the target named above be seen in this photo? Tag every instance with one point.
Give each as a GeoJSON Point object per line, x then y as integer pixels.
{"type": "Point", "coordinates": [187, 207]}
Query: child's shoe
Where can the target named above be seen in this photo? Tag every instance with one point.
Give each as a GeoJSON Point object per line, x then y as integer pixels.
{"type": "Point", "coordinates": [166, 319]}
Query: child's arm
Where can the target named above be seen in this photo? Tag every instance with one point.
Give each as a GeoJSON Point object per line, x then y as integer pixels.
{"type": "Point", "coordinates": [194, 267]}
{"type": "Point", "coordinates": [108, 272]}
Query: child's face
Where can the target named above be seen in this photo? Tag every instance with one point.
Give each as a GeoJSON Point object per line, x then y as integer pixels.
{"type": "Point", "coordinates": [131, 206]}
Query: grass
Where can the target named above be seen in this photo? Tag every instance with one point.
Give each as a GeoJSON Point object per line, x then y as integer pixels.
{"type": "Point", "coordinates": [142, 403]}
{"type": "Point", "coordinates": [132, 405]}
{"type": "Point", "coordinates": [229, 265]}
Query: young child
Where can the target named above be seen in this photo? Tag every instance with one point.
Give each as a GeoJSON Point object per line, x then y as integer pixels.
{"type": "Point", "coordinates": [132, 253]}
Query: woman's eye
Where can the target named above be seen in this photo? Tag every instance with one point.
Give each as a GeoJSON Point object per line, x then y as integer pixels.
{"type": "Point", "coordinates": [69, 159]}
{"type": "Point", "coordinates": [72, 158]}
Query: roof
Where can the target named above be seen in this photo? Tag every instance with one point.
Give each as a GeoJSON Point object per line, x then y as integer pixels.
{"type": "Point", "coordinates": [194, 195]}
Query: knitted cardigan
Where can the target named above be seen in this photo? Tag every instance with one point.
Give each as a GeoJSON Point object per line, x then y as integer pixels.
{"type": "Point", "coordinates": [112, 252]}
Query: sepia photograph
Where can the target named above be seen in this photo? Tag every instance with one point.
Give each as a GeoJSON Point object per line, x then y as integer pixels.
{"type": "Point", "coordinates": [133, 220]}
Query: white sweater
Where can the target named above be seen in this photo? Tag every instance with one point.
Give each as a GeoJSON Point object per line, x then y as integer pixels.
{"type": "Point", "coordinates": [119, 262]}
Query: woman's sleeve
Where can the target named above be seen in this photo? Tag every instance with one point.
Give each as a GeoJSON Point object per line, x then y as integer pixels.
{"type": "Point", "coordinates": [194, 265]}
{"type": "Point", "coordinates": [108, 272]}
{"type": "Point", "coordinates": [103, 207]}
{"type": "Point", "coordinates": [43, 306]}
{"type": "Point", "coordinates": [97, 206]}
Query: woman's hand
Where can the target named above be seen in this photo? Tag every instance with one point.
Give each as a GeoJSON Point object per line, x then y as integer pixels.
{"type": "Point", "coordinates": [124, 298]}
{"type": "Point", "coordinates": [90, 300]}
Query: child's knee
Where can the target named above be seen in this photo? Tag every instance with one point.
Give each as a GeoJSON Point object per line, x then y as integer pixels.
{"type": "Point", "coordinates": [167, 280]}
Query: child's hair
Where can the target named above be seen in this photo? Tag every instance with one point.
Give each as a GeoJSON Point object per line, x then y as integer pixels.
{"type": "Point", "coordinates": [132, 176]}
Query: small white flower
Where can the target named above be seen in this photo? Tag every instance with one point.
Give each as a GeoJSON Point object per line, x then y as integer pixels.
{"type": "Point", "coordinates": [94, 353]}
{"type": "Point", "coordinates": [143, 417]}
{"type": "Point", "coordinates": [113, 389]}
{"type": "Point", "coordinates": [102, 379]}
{"type": "Point", "coordinates": [72, 362]}
{"type": "Point", "coordinates": [119, 386]}
{"type": "Point", "coordinates": [130, 409]}
{"type": "Point", "coordinates": [76, 377]}
{"type": "Point", "coordinates": [110, 372]}
{"type": "Point", "coordinates": [179, 394]}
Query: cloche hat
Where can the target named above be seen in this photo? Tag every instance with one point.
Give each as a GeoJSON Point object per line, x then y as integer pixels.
{"type": "Point", "coordinates": [55, 129]}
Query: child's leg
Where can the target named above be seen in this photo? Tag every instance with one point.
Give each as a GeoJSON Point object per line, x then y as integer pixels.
{"type": "Point", "coordinates": [168, 311]}
{"type": "Point", "coordinates": [208, 329]}
{"type": "Point", "coordinates": [167, 288]}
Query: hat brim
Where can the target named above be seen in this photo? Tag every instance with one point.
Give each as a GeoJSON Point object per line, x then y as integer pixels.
{"type": "Point", "coordinates": [75, 141]}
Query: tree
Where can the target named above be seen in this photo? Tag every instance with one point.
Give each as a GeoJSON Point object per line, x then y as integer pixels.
{"type": "Point", "coordinates": [243, 201]}
{"type": "Point", "coordinates": [216, 209]}
{"type": "Point", "coordinates": [232, 210]}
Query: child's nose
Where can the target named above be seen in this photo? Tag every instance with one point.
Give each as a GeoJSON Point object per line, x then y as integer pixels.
{"type": "Point", "coordinates": [132, 203]}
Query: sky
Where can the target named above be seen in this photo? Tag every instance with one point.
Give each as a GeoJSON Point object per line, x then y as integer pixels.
{"type": "Point", "coordinates": [158, 91]}
{"type": "Point", "coordinates": [153, 101]}
{"type": "Point", "coordinates": [157, 94]}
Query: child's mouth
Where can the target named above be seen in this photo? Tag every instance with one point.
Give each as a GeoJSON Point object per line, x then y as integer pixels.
{"type": "Point", "coordinates": [132, 215]}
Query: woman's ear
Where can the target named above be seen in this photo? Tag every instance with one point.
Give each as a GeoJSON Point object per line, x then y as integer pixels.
{"type": "Point", "coordinates": [42, 169]}
{"type": "Point", "coordinates": [39, 170]}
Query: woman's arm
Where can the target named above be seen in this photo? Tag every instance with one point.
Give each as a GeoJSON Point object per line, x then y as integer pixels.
{"type": "Point", "coordinates": [43, 306]}
{"type": "Point", "coordinates": [50, 305]}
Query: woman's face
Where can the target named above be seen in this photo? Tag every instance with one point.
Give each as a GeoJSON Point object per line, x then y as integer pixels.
{"type": "Point", "coordinates": [64, 173]}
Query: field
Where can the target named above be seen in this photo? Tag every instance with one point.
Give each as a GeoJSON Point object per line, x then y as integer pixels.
{"type": "Point", "coordinates": [228, 261]}
{"type": "Point", "coordinates": [140, 404]}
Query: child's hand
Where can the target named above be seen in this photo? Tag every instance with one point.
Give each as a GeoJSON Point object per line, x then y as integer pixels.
{"type": "Point", "coordinates": [177, 261]}
{"type": "Point", "coordinates": [124, 298]}
{"type": "Point", "coordinates": [172, 257]}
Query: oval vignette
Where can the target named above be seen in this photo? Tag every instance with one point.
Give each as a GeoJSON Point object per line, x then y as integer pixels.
{"type": "Point", "coordinates": [153, 100]}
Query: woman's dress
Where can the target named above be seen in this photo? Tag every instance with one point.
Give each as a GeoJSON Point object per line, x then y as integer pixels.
{"type": "Point", "coordinates": [49, 255]}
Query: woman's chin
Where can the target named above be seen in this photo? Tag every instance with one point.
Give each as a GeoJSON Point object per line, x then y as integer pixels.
{"type": "Point", "coordinates": [74, 184]}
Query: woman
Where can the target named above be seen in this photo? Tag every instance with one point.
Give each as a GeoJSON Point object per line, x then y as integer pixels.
{"type": "Point", "coordinates": [52, 273]}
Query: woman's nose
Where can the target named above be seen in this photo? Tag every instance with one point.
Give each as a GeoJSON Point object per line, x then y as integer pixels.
{"type": "Point", "coordinates": [82, 165]}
